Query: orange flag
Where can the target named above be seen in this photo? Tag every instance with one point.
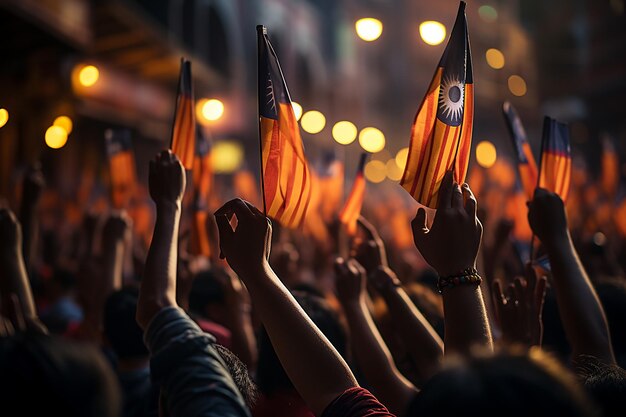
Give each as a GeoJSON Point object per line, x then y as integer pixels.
{"type": "Point", "coordinates": [184, 130]}
{"type": "Point", "coordinates": [352, 209]}
{"type": "Point", "coordinates": [202, 181]}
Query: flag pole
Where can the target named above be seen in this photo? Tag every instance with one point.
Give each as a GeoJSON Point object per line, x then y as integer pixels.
{"type": "Point", "coordinates": [260, 34]}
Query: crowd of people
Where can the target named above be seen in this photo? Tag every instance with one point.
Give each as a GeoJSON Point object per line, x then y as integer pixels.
{"type": "Point", "coordinates": [278, 323]}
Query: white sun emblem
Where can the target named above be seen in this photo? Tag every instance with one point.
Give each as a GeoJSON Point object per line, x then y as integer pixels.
{"type": "Point", "coordinates": [451, 98]}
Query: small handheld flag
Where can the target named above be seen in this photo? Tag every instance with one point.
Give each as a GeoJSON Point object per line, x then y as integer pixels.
{"type": "Point", "coordinates": [202, 181]}
{"type": "Point", "coordinates": [556, 160]}
{"type": "Point", "coordinates": [121, 166]}
{"type": "Point", "coordinates": [285, 172]}
{"type": "Point", "coordinates": [526, 165]}
{"type": "Point", "coordinates": [352, 208]}
{"type": "Point", "coordinates": [184, 129]}
{"type": "Point", "coordinates": [442, 130]}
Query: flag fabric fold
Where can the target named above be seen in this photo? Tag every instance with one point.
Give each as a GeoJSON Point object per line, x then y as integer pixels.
{"type": "Point", "coordinates": [121, 166]}
{"type": "Point", "coordinates": [184, 129]}
{"type": "Point", "coordinates": [352, 208]}
{"type": "Point", "coordinates": [526, 165]}
{"type": "Point", "coordinates": [441, 135]}
{"type": "Point", "coordinates": [556, 161]}
{"type": "Point", "coordinates": [285, 172]}
{"type": "Point", "coordinates": [202, 181]}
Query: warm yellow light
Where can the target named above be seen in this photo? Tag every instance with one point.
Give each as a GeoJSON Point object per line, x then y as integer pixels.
{"type": "Point", "coordinates": [372, 140]}
{"type": "Point", "coordinates": [313, 121]}
{"type": "Point", "coordinates": [517, 85]}
{"type": "Point", "coordinates": [495, 58]}
{"type": "Point", "coordinates": [394, 172]}
{"type": "Point", "coordinates": [56, 137]}
{"type": "Point", "coordinates": [344, 132]}
{"type": "Point", "coordinates": [401, 157]}
{"type": "Point", "coordinates": [64, 122]}
{"type": "Point", "coordinates": [212, 109]}
{"type": "Point", "coordinates": [88, 75]}
{"type": "Point", "coordinates": [4, 117]}
{"type": "Point", "coordinates": [432, 32]}
{"type": "Point", "coordinates": [486, 154]}
{"type": "Point", "coordinates": [297, 110]}
{"type": "Point", "coordinates": [226, 157]}
{"type": "Point", "coordinates": [375, 171]}
{"type": "Point", "coordinates": [369, 29]}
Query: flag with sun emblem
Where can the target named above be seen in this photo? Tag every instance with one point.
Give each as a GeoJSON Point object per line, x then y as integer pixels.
{"type": "Point", "coordinates": [441, 136]}
{"type": "Point", "coordinates": [284, 168]}
{"type": "Point", "coordinates": [526, 165]}
{"type": "Point", "coordinates": [556, 161]}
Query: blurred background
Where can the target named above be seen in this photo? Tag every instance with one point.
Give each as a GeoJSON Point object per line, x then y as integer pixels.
{"type": "Point", "coordinates": [358, 69]}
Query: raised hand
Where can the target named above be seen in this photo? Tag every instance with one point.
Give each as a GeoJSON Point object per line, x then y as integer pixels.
{"type": "Point", "coordinates": [10, 232]}
{"type": "Point", "coordinates": [34, 183]}
{"type": "Point", "coordinates": [247, 248]}
{"type": "Point", "coordinates": [370, 252]}
{"type": "Point", "coordinates": [166, 179]}
{"type": "Point", "coordinates": [451, 244]}
{"type": "Point", "coordinates": [350, 282]}
{"type": "Point", "coordinates": [116, 227]}
{"type": "Point", "coordinates": [547, 217]}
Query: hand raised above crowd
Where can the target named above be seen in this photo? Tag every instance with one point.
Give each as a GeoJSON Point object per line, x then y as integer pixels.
{"type": "Point", "coordinates": [167, 179]}
{"type": "Point", "coordinates": [547, 217]}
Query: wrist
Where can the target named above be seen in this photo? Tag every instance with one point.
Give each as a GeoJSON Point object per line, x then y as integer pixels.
{"type": "Point", "coordinates": [557, 241]}
{"type": "Point", "coordinates": [168, 206]}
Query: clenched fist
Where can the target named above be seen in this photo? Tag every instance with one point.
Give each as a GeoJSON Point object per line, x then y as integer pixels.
{"type": "Point", "coordinates": [167, 179]}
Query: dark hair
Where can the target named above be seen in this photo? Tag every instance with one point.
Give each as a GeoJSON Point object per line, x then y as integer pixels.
{"type": "Point", "coordinates": [612, 294]}
{"type": "Point", "coordinates": [41, 375]}
{"type": "Point", "coordinates": [271, 376]}
{"type": "Point", "coordinates": [206, 289]}
{"type": "Point", "coordinates": [120, 326]}
{"type": "Point", "coordinates": [605, 383]}
{"type": "Point", "coordinates": [512, 383]}
{"type": "Point", "coordinates": [239, 372]}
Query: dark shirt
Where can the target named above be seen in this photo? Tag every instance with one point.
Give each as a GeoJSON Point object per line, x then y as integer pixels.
{"type": "Point", "coordinates": [140, 398]}
{"type": "Point", "coordinates": [185, 364]}
{"type": "Point", "coordinates": [356, 402]}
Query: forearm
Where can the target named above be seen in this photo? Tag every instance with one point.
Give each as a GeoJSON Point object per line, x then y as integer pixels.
{"type": "Point", "coordinates": [580, 309]}
{"type": "Point", "coordinates": [375, 360]}
{"type": "Point", "coordinates": [15, 280]}
{"type": "Point", "coordinates": [28, 219]}
{"type": "Point", "coordinates": [316, 369]}
{"type": "Point", "coordinates": [465, 320]}
{"type": "Point", "coordinates": [242, 335]}
{"type": "Point", "coordinates": [425, 345]}
{"type": "Point", "coordinates": [113, 264]}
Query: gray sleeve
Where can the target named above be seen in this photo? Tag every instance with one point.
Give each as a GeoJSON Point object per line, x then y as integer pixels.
{"type": "Point", "coordinates": [192, 375]}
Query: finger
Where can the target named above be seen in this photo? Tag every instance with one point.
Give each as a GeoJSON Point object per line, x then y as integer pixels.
{"type": "Point", "coordinates": [540, 292]}
{"type": "Point", "coordinates": [19, 322]}
{"type": "Point", "coordinates": [457, 197]}
{"type": "Point", "coordinates": [255, 211]}
{"type": "Point", "coordinates": [520, 288]}
{"type": "Point", "coordinates": [239, 207]}
{"type": "Point", "coordinates": [497, 292]}
{"type": "Point", "coordinates": [370, 231]}
{"type": "Point", "coordinates": [357, 267]}
{"type": "Point", "coordinates": [445, 191]}
{"type": "Point", "coordinates": [470, 200]}
{"type": "Point", "coordinates": [225, 231]}
{"type": "Point", "coordinates": [419, 224]}
{"type": "Point", "coordinates": [531, 280]}
{"type": "Point", "coordinates": [341, 268]}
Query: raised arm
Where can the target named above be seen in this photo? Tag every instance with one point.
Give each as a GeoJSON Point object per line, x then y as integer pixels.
{"type": "Point", "coordinates": [31, 192]}
{"type": "Point", "coordinates": [580, 309]}
{"type": "Point", "coordinates": [371, 352]}
{"type": "Point", "coordinates": [451, 246]}
{"type": "Point", "coordinates": [316, 369]}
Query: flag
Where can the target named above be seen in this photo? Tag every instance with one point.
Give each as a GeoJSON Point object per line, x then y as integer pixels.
{"type": "Point", "coordinates": [352, 208]}
{"type": "Point", "coordinates": [556, 161]}
{"type": "Point", "coordinates": [330, 181]}
{"type": "Point", "coordinates": [121, 166]}
{"type": "Point", "coordinates": [610, 168]}
{"type": "Point", "coordinates": [526, 165]}
{"type": "Point", "coordinates": [285, 171]}
{"type": "Point", "coordinates": [202, 181]}
{"type": "Point", "coordinates": [442, 130]}
{"type": "Point", "coordinates": [184, 129]}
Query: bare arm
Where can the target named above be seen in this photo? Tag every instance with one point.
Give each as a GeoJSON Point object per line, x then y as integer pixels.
{"type": "Point", "coordinates": [582, 314]}
{"type": "Point", "coordinates": [239, 321]}
{"type": "Point", "coordinates": [316, 369]}
{"type": "Point", "coordinates": [450, 246]}
{"type": "Point", "coordinates": [371, 352]}
{"type": "Point", "coordinates": [31, 192]}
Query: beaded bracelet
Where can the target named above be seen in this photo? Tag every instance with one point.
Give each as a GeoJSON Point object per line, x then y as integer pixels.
{"type": "Point", "coordinates": [468, 276]}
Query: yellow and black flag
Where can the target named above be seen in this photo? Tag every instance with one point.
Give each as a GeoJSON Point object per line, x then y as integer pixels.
{"type": "Point", "coordinates": [441, 136]}
{"type": "Point", "coordinates": [285, 172]}
{"type": "Point", "coordinates": [184, 129]}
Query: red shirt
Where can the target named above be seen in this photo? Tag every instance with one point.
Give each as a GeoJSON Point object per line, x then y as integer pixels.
{"type": "Point", "coordinates": [356, 402]}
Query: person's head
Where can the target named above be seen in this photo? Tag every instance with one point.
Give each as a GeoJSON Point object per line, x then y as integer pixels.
{"type": "Point", "coordinates": [120, 326]}
{"type": "Point", "coordinates": [605, 383]}
{"type": "Point", "coordinates": [514, 384]}
{"type": "Point", "coordinates": [271, 376]}
{"type": "Point", "coordinates": [206, 298]}
{"type": "Point", "coordinates": [239, 372]}
{"type": "Point", "coordinates": [40, 375]}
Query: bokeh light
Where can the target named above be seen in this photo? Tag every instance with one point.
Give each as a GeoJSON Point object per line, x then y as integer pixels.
{"type": "Point", "coordinates": [4, 117]}
{"type": "Point", "coordinates": [394, 172]}
{"type": "Point", "coordinates": [297, 110]}
{"type": "Point", "coordinates": [65, 122]}
{"type": "Point", "coordinates": [313, 121]}
{"type": "Point", "coordinates": [210, 110]}
{"type": "Point", "coordinates": [432, 32]}
{"type": "Point", "coordinates": [495, 58]}
{"type": "Point", "coordinates": [375, 171]}
{"type": "Point", "coordinates": [344, 132]}
{"type": "Point", "coordinates": [369, 29]}
{"type": "Point", "coordinates": [372, 139]}
{"type": "Point", "coordinates": [401, 157]}
{"type": "Point", "coordinates": [486, 154]}
{"type": "Point", "coordinates": [226, 156]}
{"type": "Point", "coordinates": [517, 85]}
{"type": "Point", "coordinates": [88, 75]}
{"type": "Point", "coordinates": [488, 13]}
{"type": "Point", "coordinates": [56, 137]}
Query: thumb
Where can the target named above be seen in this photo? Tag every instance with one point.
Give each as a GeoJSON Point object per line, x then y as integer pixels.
{"type": "Point", "coordinates": [419, 225]}
{"type": "Point", "coordinates": [225, 232]}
